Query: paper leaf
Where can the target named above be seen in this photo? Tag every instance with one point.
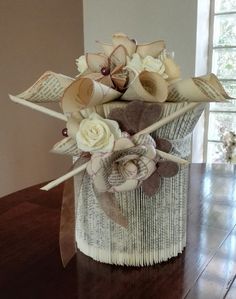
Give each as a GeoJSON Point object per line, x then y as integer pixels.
{"type": "Point", "coordinates": [66, 146]}
{"type": "Point", "coordinates": [122, 39]}
{"type": "Point", "coordinates": [118, 56]}
{"type": "Point", "coordinates": [48, 88]}
{"type": "Point", "coordinates": [106, 48]}
{"type": "Point", "coordinates": [151, 49]}
{"type": "Point", "coordinates": [96, 61]}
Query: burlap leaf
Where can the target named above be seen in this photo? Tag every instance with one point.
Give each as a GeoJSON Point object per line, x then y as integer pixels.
{"type": "Point", "coordinates": [163, 145]}
{"type": "Point", "coordinates": [167, 169]}
{"type": "Point", "coordinates": [152, 184]}
{"type": "Point", "coordinates": [136, 116]}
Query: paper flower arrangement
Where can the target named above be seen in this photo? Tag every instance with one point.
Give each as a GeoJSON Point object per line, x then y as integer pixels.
{"type": "Point", "coordinates": [110, 109]}
{"type": "Point", "coordinates": [123, 156]}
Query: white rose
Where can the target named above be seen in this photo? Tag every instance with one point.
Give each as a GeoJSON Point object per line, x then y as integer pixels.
{"type": "Point", "coordinates": [149, 64]}
{"type": "Point", "coordinates": [81, 64]}
{"type": "Point", "coordinates": [96, 134]}
{"type": "Point", "coordinates": [155, 65]}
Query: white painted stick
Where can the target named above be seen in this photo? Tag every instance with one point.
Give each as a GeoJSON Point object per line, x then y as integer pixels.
{"type": "Point", "coordinates": [64, 177]}
{"type": "Point", "coordinates": [168, 119]}
{"type": "Point", "coordinates": [39, 108]}
{"type": "Point", "coordinates": [73, 172]}
{"type": "Point", "coordinates": [148, 130]}
{"type": "Point", "coordinates": [171, 157]}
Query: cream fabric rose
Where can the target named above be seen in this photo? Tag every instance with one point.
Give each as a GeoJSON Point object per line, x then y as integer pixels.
{"type": "Point", "coordinates": [135, 63]}
{"type": "Point", "coordinates": [149, 64]}
{"type": "Point", "coordinates": [96, 134]}
{"type": "Point", "coordinates": [81, 64]}
{"type": "Point", "coordinates": [131, 162]}
{"type": "Point", "coordinates": [155, 65]}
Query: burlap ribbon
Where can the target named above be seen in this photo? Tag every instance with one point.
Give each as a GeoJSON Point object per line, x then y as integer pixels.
{"type": "Point", "coordinates": [68, 220]}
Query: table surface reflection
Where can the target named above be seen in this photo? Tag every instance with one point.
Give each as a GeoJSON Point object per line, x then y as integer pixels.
{"type": "Point", "coordinates": [30, 265]}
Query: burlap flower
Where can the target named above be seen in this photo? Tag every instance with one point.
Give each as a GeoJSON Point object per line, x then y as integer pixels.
{"type": "Point", "coordinates": [131, 163]}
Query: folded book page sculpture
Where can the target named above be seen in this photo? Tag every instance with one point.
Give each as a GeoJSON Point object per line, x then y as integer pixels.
{"type": "Point", "coordinates": [129, 119]}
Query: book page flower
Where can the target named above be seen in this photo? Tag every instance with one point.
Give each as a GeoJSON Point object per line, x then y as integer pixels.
{"type": "Point", "coordinates": [123, 169]}
{"type": "Point", "coordinates": [108, 70]}
{"type": "Point", "coordinates": [96, 134]}
{"type": "Point", "coordinates": [135, 117]}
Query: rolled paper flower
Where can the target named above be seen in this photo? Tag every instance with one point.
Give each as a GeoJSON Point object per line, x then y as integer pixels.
{"type": "Point", "coordinates": [96, 134]}
{"type": "Point", "coordinates": [146, 86]}
{"type": "Point", "coordinates": [125, 168]}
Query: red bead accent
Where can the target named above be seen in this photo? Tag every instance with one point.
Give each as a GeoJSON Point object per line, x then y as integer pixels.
{"type": "Point", "coordinates": [105, 71]}
{"type": "Point", "coordinates": [64, 132]}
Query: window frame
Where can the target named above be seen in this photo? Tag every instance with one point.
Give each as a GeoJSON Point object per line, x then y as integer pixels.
{"type": "Point", "coordinates": [211, 49]}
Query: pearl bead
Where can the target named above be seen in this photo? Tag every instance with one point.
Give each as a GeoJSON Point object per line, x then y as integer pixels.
{"type": "Point", "coordinates": [105, 71]}
{"type": "Point", "coordinates": [64, 132]}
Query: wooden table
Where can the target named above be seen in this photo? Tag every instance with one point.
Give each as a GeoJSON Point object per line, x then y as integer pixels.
{"type": "Point", "coordinates": [30, 265]}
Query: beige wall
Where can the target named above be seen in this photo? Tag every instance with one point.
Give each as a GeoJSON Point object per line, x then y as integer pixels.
{"type": "Point", "coordinates": [172, 20]}
{"type": "Point", "coordinates": [35, 36]}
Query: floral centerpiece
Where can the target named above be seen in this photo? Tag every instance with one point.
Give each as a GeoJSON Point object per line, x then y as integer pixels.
{"type": "Point", "coordinates": [129, 118]}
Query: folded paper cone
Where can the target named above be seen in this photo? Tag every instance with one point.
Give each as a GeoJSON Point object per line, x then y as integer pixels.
{"type": "Point", "coordinates": [199, 89]}
{"type": "Point", "coordinates": [147, 86]}
{"type": "Point", "coordinates": [85, 92]}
